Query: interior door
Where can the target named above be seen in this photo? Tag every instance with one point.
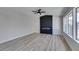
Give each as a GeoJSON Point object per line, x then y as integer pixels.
{"type": "Point", "coordinates": [46, 24]}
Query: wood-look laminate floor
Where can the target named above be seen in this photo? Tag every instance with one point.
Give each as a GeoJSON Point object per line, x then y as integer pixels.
{"type": "Point", "coordinates": [36, 42]}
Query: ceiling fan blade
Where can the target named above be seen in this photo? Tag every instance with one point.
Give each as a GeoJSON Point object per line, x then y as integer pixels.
{"type": "Point", "coordinates": [34, 11]}
{"type": "Point", "coordinates": [39, 10]}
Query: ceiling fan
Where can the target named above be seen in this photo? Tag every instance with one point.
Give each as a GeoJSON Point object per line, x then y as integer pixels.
{"type": "Point", "coordinates": [39, 11]}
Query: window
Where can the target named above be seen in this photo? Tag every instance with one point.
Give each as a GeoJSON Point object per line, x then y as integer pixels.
{"type": "Point", "coordinates": [77, 23]}
{"type": "Point", "coordinates": [67, 24]}
{"type": "Point", "coordinates": [70, 26]}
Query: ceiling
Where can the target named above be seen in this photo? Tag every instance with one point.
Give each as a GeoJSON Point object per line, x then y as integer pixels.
{"type": "Point", "coordinates": [56, 11]}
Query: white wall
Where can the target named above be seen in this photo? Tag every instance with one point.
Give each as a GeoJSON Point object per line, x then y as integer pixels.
{"type": "Point", "coordinates": [36, 24]}
{"type": "Point", "coordinates": [57, 25]}
{"type": "Point", "coordinates": [15, 23]}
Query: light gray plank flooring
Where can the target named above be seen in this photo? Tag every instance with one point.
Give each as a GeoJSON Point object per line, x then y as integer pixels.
{"type": "Point", "coordinates": [36, 42]}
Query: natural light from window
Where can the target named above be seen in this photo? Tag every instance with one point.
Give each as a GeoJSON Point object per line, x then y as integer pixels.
{"type": "Point", "coordinates": [67, 22]}
{"type": "Point", "coordinates": [77, 25]}
{"type": "Point", "coordinates": [70, 27]}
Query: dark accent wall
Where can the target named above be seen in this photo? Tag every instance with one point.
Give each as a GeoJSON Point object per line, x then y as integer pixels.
{"type": "Point", "coordinates": [46, 24]}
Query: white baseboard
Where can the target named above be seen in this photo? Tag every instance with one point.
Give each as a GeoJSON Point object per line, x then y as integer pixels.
{"type": "Point", "coordinates": [13, 38]}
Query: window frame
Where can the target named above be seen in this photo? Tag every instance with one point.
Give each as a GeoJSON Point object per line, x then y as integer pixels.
{"type": "Point", "coordinates": [70, 12]}
{"type": "Point", "coordinates": [67, 15]}
{"type": "Point", "coordinates": [76, 24]}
